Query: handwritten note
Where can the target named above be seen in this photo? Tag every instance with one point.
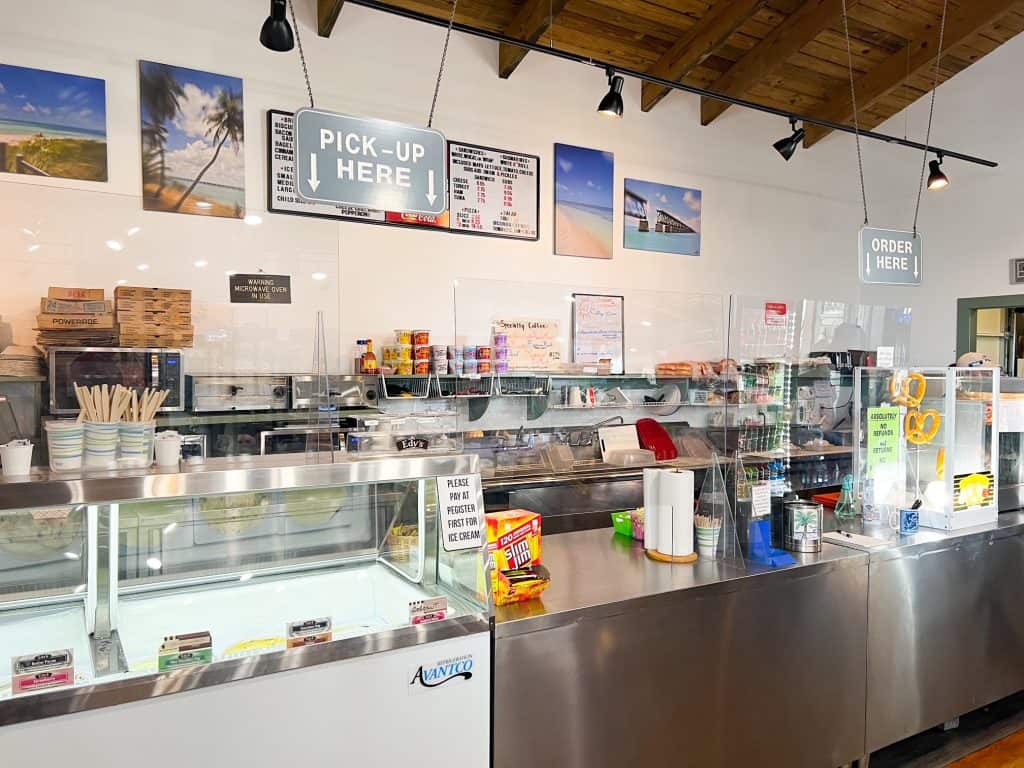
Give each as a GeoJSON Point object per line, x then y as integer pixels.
{"type": "Point", "coordinates": [597, 330]}
{"type": "Point", "coordinates": [533, 343]}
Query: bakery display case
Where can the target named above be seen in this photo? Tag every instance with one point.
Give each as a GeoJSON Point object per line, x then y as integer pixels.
{"type": "Point", "coordinates": [926, 442]}
{"type": "Point", "coordinates": [200, 573]}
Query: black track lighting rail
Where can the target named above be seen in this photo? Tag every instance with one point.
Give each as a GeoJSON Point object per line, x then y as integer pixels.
{"type": "Point", "coordinates": [807, 119]}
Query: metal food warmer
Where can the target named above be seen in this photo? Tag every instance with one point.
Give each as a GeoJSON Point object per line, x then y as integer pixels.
{"type": "Point", "coordinates": [150, 583]}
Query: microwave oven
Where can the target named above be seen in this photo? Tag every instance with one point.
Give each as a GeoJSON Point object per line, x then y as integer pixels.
{"type": "Point", "coordinates": [138, 369]}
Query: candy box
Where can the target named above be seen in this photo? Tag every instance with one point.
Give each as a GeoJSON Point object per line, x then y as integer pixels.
{"type": "Point", "coordinates": [513, 538]}
{"type": "Point", "coordinates": [513, 548]}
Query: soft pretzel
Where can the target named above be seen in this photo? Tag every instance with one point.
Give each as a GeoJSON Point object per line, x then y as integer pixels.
{"type": "Point", "coordinates": [921, 427]}
{"type": "Point", "coordinates": [902, 393]}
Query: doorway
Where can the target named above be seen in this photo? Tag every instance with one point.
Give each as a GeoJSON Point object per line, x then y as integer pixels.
{"type": "Point", "coordinates": [994, 326]}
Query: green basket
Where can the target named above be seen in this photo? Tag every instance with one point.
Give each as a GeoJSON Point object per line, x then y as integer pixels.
{"type": "Point", "coordinates": [623, 523]}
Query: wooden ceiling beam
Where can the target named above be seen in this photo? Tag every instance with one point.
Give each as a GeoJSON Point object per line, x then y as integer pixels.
{"type": "Point", "coordinates": [327, 16]}
{"type": "Point", "coordinates": [531, 22]}
{"type": "Point", "coordinates": [772, 52]}
{"type": "Point", "coordinates": [701, 41]}
{"type": "Point", "coordinates": [964, 22]}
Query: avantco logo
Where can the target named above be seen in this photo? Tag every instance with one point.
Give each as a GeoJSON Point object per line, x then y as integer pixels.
{"type": "Point", "coordinates": [439, 673]}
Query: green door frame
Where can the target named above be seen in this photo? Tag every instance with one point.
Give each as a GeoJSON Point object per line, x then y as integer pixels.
{"type": "Point", "coordinates": [967, 318]}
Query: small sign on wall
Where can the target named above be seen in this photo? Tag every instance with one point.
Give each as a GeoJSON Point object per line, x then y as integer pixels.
{"type": "Point", "coordinates": [775, 313]}
{"type": "Point", "coordinates": [260, 289]}
{"type": "Point", "coordinates": [1016, 271]}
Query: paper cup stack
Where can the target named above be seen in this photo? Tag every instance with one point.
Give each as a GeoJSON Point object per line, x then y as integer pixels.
{"type": "Point", "coordinates": [64, 439]}
{"type": "Point", "coordinates": [136, 443]}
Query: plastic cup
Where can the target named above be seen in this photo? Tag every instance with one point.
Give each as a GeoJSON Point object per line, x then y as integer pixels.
{"type": "Point", "coordinates": [136, 443]}
{"type": "Point", "coordinates": [16, 457]}
{"type": "Point", "coordinates": [64, 439]}
{"type": "Point", "coordinates": [101, 438]}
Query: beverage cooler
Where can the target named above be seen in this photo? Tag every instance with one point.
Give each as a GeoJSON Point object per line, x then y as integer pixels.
{"type": "Point", "coordinates": [292, 609]}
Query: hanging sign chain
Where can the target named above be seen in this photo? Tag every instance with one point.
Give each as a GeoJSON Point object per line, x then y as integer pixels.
{"type": "Point", "coordinates": [440, 69]}
{"type": "Point", "coordinates": [856, 117]}
{"type": "Point", "coordinates": [302, 55]}
{"type": "Point", "coordinates": [931, 112]}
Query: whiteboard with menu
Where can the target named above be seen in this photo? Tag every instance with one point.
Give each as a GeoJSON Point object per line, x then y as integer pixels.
{"type": "Point", "coordinates": [493, 191]}
{"type": "Point", "coordinates": [598, 331]}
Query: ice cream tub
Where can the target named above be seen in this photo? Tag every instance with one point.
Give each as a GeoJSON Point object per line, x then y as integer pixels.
{"type": "Point", "coordinates": [421, 367]}
{"type": "Point", "coordinates": [403, 336]}
{"type": "Point", "coordinates": [421, 338]}
{"type": "Point", "coordinates": [421, 353]}
{"type": "Point", "coordinates": [483, 353]}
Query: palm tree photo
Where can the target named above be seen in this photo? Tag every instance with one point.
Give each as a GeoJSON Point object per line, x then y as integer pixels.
{"type": "Point", "coordinates": [225, 124]}
{"type": "Point", "coordinates": [192, 132]}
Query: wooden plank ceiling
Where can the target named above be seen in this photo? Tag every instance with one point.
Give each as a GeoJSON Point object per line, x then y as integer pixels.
{"type": "Point", "coordinates": [787, 54]}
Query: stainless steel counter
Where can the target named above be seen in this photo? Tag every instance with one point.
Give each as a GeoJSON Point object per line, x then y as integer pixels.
{"type": "Point", "coordinates": [629, 662]}
{"type": "Point", "coordinates": [595, 572]}
{"type": "Point", "coordinates": [946, 629]}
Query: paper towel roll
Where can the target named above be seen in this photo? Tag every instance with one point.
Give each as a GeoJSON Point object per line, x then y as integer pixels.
{"type": "Point", "coordinates": [675, 521]}
{"type": "Point", "coordinates": [651, 507]}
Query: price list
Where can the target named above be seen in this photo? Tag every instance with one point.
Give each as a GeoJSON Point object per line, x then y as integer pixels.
{"type": "Point", "coordinates": [281, 185]}
{"type": "Point", "coordinates": [493, 191]}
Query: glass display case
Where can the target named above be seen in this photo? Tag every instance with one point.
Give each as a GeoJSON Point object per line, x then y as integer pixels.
{"type": "Point", "coordinates": [234, 559]}
{"type": "Point", "coordinates": [925, 440]}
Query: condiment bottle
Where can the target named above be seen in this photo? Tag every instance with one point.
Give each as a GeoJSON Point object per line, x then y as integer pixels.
{"type": "Point", "coordinates": [370, 359]}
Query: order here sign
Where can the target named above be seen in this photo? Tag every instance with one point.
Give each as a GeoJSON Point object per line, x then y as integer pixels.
{"type": "Point", "coordinates": [369, 163]}
{"type": "Point", "coordinates": [890, 256]}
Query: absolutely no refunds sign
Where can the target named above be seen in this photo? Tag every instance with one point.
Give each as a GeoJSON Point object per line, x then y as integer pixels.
{"type": "Point", "coordinates": [369, 163]}
{"type": "Point", "coordinates": [890, 257]}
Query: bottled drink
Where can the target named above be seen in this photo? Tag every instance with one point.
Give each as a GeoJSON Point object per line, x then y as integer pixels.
{"type": "Point", "coordinates": [370, 359]}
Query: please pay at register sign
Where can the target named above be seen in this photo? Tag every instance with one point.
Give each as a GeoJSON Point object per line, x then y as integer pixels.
{"type": "Point", "coordinates": [461, 521]}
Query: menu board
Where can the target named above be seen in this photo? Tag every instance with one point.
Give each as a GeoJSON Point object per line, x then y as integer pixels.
{"type": "Point", "coordinates": [533, 344]}
{"type": "Point", "coordinates": [282, 197]}
{"type": "Point", "coordinates": [597, 330]}
{"type": "Point", "coordinates": [493, 191]}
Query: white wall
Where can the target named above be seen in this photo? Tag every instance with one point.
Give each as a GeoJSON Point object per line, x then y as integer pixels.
{"type": "Point", "coordinates": [770, 228]}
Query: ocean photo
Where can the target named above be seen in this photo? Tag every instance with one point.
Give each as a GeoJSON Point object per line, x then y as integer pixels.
{"type": "Point", "coordinates": [52, 124]}
{"type": "Point", "coordinates": [584, 195]}
{"type": "Point", "coordinates": [662, 218]}
{"type": "Point", "coordinates": [192, 141]}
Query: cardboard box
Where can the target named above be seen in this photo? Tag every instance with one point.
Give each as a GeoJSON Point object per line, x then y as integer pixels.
{"type": "Point", "coordinates": [75, 294]}
{"type": "Point", "coordinates": [158, 319]}
{"type": "Point", "coordinates": [153, 305]}
{"type": "Point", "coordinates": [50, 322]}
{"type": "Point", "coordinates": [138, 293]}
{"type": "Point", "coordinates": [65, 307]}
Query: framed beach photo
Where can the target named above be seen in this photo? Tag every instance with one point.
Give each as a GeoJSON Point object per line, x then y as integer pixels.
{"type": "Point", "coordinates": [52, 124]}
{"type": "Point", "coordinates": [584, 195]}
{"type": "Point", "coordinates": [660, 217]}
{"type": "Point", "coordinates": [192, 141]}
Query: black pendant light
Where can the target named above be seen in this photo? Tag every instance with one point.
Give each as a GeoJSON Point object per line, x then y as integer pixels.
{"type": "Point", "coordinates": [787, 146]}
{"type": "Point", "coordinates": [936, 178]}
{"type": "Point", "coordinates": [277, 33]}
{"type": "Point", "coordinates": [611, 104]}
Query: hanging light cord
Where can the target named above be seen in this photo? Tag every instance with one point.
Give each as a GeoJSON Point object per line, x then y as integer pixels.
{"type": "Point", "coordinates": [302, 55]}
{"type": "Point", "coordinates": [931, 112]}
{"type": "Point", "coordinates": [440, 69]}
{"type": "Point", "coordinates": [856, 119]}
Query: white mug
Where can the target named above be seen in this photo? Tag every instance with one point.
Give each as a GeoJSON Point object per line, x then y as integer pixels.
{"type": "Point", "coordinates": [168, 449]}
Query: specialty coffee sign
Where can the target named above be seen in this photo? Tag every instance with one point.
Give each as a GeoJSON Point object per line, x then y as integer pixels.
{"type": "Point", "coordinates": [371, 163]}
{"type": "Point", "coordinates": [493, 191]}
{"type": "Point", "coordinates": [260, 289]}
{"type": "Point", "coordinates": [890, 257]}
